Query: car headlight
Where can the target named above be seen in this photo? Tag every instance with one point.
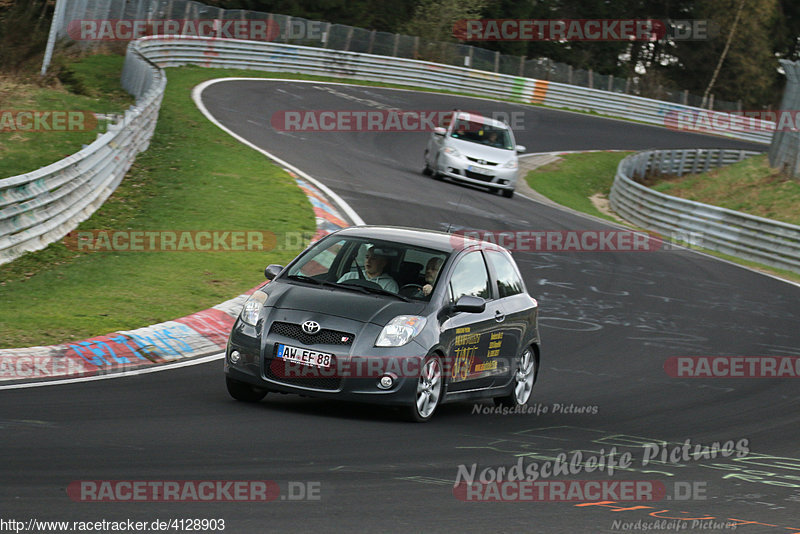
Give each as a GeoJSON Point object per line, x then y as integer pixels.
{"type": "Point", "coordinates": [400, 331]}
{"type": "Point", "coordinates": [452, 152]}
{"type": "Point", "coordinates": [510, 164]}
{"type": "Point", "coordinates": [253, 306]}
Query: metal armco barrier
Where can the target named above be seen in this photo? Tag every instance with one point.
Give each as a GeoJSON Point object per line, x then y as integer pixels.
{"type": "Point", "coordinates": [258, 55]}
{"type": "Point", "coordinates": [766, 241]}
{"type": "Point", "coordinates": [40, 207]}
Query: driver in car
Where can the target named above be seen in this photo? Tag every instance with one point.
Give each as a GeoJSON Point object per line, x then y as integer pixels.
{"type": "Point", "coordinates": [374, 266]}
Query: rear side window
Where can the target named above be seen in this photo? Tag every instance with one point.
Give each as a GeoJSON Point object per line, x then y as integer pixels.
{"type": "Point", "coordinates": [470, 277]}
{"type": "Point", "coordinates": [508, 280]}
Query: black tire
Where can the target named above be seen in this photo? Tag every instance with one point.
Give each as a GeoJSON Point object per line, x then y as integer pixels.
{"type": "Point", "coordinates": [494, 190]}
{"type": "Point", "coordinates": [429, 392]}
{"type": "Point", "coordinates": [427, 171]}
{"type": "Point", "coordinates": [244, 392]}
{"type": "Point", "coordinates": [434, 173]}
{"type": "Point", "coordinates": [524, 380]}
{"type": "Point", "coordinates": [508, 193]}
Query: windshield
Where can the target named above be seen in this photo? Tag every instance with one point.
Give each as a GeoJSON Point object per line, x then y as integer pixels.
{"type": "Point", "coordinates": [476, 132]}
{"type": "Point", "coordinates": [372, 266]}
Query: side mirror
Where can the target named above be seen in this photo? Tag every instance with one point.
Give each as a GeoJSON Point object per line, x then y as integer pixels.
{"type": "Point", "coordinates": [439, 130]}
{"type": "Point", "coordinates": [272, 271]}
{"type": "Point", "coordinates": [470, 304]}
{"type": "Point", "coordinates": [520, 149]}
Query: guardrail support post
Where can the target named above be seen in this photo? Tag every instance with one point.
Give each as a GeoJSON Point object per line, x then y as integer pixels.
{"type": "Point", "coordinates": [371, 41]}
{"type": "Point", "coordinates": [684, 154]}
{"type": "Point", "coordinates": [349, 38]}
{"type": "Point", "coordinates": [326, 35]}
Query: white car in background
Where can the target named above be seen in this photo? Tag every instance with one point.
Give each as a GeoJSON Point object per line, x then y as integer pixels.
{"type": "Point", "coordinates": [474, 149]}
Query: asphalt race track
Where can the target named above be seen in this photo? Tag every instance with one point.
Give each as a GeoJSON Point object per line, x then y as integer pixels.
{"type": "Point", "coordinates": [609, 321]}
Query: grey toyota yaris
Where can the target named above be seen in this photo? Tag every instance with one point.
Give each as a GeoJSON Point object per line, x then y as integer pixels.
{"type": "Point", "coordinates": [396, 316]}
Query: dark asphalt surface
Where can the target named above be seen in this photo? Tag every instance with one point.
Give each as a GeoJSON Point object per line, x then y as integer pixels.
{"type": "Point", "coordinates": [608, 322]}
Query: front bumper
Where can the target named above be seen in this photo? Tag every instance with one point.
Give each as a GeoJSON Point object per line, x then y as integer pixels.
{"type": "Point", "coordinates": [354, 376]}
{"type": "Point", "coordinates": [496, 176]}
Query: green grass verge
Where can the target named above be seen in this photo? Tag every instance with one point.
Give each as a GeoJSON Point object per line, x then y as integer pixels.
{"type": "Point", "coordinates": [750, 186]}
{"type": "Point", "coordinates": [193, 177]}
{"type": "Point", "coordinates": [574, 179]}
{"type": "Point", "coordinates": [86, 86]}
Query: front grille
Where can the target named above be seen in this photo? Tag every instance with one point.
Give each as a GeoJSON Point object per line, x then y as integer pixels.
{"type": "Point", "coordinates": [482, 162]}
{"type": "Point", "coordinates": [302, 376]}
{"type": "Point", "coordinates": [476, 176]}
{"type": "Point", "coordinates": [324, 336]}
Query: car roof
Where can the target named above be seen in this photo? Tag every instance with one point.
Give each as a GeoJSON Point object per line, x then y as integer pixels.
{"type": "Point", "coordinates": [475, 117]}
{"type": "Point", "coordinates": [416, 236]}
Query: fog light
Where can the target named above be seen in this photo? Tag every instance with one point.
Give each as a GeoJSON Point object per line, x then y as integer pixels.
{"type": "Point", "coordinates": [235, 356]}
{"type": "Point", "coordinates": [386, 382]}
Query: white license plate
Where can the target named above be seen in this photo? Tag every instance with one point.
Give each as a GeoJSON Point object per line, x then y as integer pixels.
{"type": "Point", "coordinates": [304, 356]}
{"type": "Point", "coordinates": [473, 168]}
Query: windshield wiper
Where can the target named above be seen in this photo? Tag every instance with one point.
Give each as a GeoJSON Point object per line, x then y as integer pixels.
{"type": "Point", "coordinates": [363, 289]}
{"type": "Point", "coordinates": [304, 278]}
{"type": "Point", "coordinates": [381, 291]}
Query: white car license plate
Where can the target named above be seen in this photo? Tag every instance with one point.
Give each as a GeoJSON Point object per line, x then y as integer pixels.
{"type": "Point", "coordinates": [304, 356]}
{"type": "Point", "coordinates": [478, 170]}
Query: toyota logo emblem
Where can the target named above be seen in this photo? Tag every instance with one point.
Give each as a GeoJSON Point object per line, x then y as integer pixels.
{"type": "Point", "coordinates": [311, 327]}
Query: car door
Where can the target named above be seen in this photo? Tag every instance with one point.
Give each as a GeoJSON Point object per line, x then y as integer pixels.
{"type": "Point", "coordinates": [467, 335]}
{"type": "Point", "coordinates": [506, 343]}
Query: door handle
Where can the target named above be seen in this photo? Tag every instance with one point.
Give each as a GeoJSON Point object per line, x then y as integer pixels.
{"type": "Point", "coordinates": [499, 316]}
